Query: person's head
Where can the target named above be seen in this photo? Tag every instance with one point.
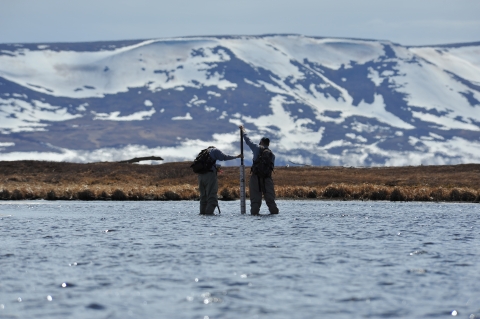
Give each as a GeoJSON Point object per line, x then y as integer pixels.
{"type": "Point", "coordinates": [265, 141]}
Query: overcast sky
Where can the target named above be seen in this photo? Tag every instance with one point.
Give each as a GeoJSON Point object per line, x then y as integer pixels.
{"type": "Point", "coordinates": [408, 22]}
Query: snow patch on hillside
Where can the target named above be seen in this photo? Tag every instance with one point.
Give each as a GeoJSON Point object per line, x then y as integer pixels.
{"type": "Point", "coordinates": [4, 145]}
{"type": "Point", "coordinates": [115, 116]}
{"type": "Point", "coordinates": [329, 52]}
{"type": "Point", "coordinates": [464, 61]}
{"type": "Point", "coordinates": [23, 116]}
{"type": "Point", "coordinates": [431, 88]}
{"type": "Point", "coordinates": [187, 117]}
{"type": "Point", "coordinates": [290, 133]}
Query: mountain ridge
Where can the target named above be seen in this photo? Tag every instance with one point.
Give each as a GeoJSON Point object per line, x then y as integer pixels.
{"type": "Point", "coordinates": [323, 101]}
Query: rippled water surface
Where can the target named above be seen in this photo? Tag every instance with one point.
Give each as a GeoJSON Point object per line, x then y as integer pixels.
{"type": "Point", "coordinates": [317, 259]}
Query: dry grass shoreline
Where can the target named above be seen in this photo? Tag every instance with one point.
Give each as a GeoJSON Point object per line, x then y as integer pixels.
{"type": "Point", "coordinates": [20, 180]}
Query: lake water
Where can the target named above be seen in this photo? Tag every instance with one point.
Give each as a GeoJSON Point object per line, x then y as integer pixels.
{"type": "Point", "coordinates": [317, 259]}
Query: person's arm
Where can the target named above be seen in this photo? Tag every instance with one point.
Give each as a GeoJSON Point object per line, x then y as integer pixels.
{"type": "Point", "coordinates": [254, 147]}
{"type": "Point", "coordinates": [218, 155]}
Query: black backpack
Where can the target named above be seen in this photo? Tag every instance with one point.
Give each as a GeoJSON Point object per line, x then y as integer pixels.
{"type": "Point", "coordinates": [263, 166]}
{"type": "Point", "coordinates": [203, 163]}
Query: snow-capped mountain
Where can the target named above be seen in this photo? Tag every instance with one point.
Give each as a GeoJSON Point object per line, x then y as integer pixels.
{"type": "Point", "coordinates": [322, 101]}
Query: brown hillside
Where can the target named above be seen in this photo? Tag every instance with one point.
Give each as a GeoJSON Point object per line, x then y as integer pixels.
{"type": "Point", "coordinates": [174, 181]}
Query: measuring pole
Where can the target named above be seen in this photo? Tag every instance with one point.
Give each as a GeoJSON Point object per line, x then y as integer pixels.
{"type": "Point", "coordinates": [242, 177]}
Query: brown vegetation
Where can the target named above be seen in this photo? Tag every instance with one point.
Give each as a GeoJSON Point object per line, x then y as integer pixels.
{"type": "Point", "coordinates": [175, 181]}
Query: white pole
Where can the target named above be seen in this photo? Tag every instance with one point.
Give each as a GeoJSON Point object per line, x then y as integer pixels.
{"type": "Point", "coordinates": [242, 177]}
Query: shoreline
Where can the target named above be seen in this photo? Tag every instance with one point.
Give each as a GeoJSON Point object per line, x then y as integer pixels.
{"type": "Point", "coordinates": [31, 180]}
{"type": "Point", "coordinates": [43, 200]}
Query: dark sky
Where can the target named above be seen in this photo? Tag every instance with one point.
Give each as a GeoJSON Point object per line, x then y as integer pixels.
{"type": "Point", "coordinates": [408, 22]}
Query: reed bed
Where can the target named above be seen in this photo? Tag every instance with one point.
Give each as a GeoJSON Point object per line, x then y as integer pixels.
{"type": "Point", "coordinates": [369, 192]}
{"type": "Point", "coordinates": [100, 192]}
{"type": "Point", "coordinates": [24, 180]}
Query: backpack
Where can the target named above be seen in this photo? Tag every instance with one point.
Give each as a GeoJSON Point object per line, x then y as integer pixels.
{"type": "Point", "coordinates": [263, 165]}
{"type": "Point", "coordinates": [203, 162]}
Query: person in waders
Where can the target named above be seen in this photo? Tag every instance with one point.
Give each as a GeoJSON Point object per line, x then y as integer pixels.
{"type": "Point", "coordinates": [205, 166]}
{"type": "Point", "coordinates": [261, 182]}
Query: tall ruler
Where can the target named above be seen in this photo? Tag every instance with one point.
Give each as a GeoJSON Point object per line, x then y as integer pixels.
{"type": "Point", "coordinates": [242, 177]}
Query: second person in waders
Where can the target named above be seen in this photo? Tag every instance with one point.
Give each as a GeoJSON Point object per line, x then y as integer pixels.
{"type": "Point", "coordinates": [207, 177]}
{"type": "Point", "coordinates": [261, 182]}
